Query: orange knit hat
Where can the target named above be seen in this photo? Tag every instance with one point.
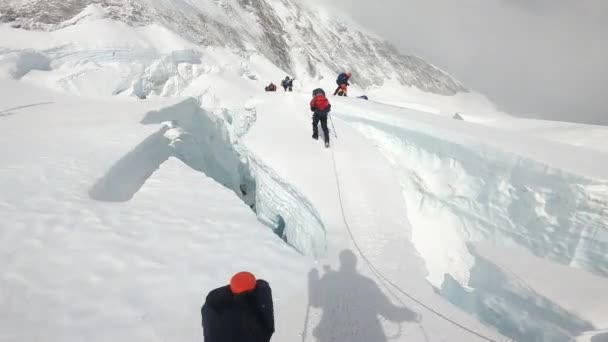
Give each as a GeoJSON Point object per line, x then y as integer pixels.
{"type": "Point", "coordinates": [242, 282]}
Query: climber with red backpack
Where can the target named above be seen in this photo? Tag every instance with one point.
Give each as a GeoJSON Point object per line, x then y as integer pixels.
{"type": "Point", "coordinates": [320, 107]}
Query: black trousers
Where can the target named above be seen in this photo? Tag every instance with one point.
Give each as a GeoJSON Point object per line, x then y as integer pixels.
{"type": "Point", "coordinates": [322, 117]}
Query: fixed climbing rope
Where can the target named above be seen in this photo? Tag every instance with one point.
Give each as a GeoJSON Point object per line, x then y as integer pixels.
{"type": "Point", "coordinates": [381, 277]}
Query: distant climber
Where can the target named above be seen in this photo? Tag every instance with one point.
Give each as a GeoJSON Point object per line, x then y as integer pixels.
{"type": "Point", "coordinates": [321, 107]}
{"type": "Point", "coordinates": [287, 83]}
{"type": "Point", "coordinates": [343, 84]}
{"type": "Point", "coordinates": [271, 87]}
{"type": "Point", "coordinates": [239, 312]}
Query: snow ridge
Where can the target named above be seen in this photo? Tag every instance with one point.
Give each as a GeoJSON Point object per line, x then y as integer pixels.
{"type": "Point", "coordinates": [293, 36]}
{"type": "Point", "coordinates": [483, 194]}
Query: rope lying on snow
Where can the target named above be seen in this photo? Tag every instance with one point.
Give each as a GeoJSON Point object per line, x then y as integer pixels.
{"type": "Point", "coordinates": [383, 279]}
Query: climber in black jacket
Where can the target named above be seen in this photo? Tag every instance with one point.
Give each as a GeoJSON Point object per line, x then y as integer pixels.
{"type": "Point", "coordinates": [239, 312]}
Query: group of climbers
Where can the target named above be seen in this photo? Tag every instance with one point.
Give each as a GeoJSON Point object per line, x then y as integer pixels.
{"type": "Point", "coordinates": [341, 90]}
{"type": "Point", "coordinates": [321, 107]}
{"type": "Point", "coordinates": [243, 310]}
{"type": "Point", "coordinates": [319, 104]}
{"type": "Point", "coordinates": [287, 85]}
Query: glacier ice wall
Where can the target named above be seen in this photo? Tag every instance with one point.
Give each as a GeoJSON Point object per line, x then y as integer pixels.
{"type": "Point", "coordinates": [209, 142]}
{"type": "Point", "coordinates": [508, 304]}
{"type": "Point", "coordinates": [458, 193]}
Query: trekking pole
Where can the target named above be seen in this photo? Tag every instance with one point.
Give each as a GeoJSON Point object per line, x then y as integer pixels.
{"type": "Point", "coordinates": [305, 329]}
{"type": "Point", "coordinates": [333, 128]}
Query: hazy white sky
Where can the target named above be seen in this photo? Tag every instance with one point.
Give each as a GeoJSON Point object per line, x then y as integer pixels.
{"type": "Point", "coordinates": [534, 58]}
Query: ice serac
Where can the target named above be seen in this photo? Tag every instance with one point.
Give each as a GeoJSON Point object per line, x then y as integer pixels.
{"type": "Point", "coordinates": [209, 142]}
{"type": "Point", "coordinates": [463, 184]}
{"type": "Point", "coordinates": [16, 64]}
{"type": "Point", "coordinates": [294, 36]}
{"type": "Point", "coordinates": [500, 299]}
{"type": "Point", "coordinates": [476, 192]}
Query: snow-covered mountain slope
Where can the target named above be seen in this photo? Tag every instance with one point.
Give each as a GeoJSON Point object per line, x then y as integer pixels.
{"type": "Point", "coordinates": [112, 202]}
{"type": "Point", "coordinates": [300, 39]}
{"type": "Point", "coordinates": [138, 179]}
{"type": "Point", "coordinates": [74, 262]}
{"type": "Point", "coordinates": [107, 166]}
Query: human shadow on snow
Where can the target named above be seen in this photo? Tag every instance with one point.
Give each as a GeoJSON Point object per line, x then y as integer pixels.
{"type": "Point", "coordinates": [602, 337]}
{"type": "Point", "coordinates": [352, 304]}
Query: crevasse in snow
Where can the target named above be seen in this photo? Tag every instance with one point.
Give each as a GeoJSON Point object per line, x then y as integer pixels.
{"type": "Point", "coordinates": [458, 193]}
{"type": "Point", "coordinates": [506, 302]}
{"type": "Point", "coordinates": [455, 193]}
{"type": "Point", "coordinates": [209, 142]}
{"type": "Point", "coordinates": [17, 64]}
{"type": "Point", "coordinates": [478, 193]}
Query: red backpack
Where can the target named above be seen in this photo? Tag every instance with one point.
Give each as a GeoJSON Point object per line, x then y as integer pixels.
{"type": "Point", "coordinates": [320, 103]}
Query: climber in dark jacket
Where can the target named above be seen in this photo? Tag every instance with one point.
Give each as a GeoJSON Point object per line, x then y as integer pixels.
{"type": "Point", "coordinates": [239, 312]}
{"type": "Point", "coordinates": [342, 81]}
{"type": "Point", "coordinates": [287, 84]}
